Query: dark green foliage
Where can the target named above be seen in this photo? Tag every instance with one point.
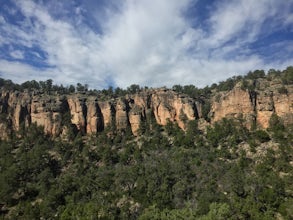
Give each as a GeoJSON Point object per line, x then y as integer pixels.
{"type": "Point", "coordinates": [262, 136]}
{"type": "Point", "coordinates": [30, 85]}
{"type": "Point", "coordinates": [193, 92]}
{"type": "Point", "coordinates": [249, 85]}
{"type": "Point", "coordinates": [177, 88]}
{"type": "Point", "coordinates": [119, 92]}
{"type": "Point", "coordinates": [277, 127]}
{"type": "Point", "coordinates": [206, 108]}
{"type": "Point", "coordinates": [225, 132]}
{"type": "Point", "coordinates": [273, 73]}
{"type": "Point", "coordinates": [133, 89]}
{"type": "Point", "coordinates": [228, 84]}
{"type": "Point", "coordinates": [71, 89]}
{"type": "Point", "coordinates": [255, 74]}
{"type": "Point", "coordinates": [283, 90]}
{"type": "Point", "coordinates": [287, 76]}
{"type": "Point", "coordinates": [81, 88]}
{"type": "Point", "coordinates": [164, 173]}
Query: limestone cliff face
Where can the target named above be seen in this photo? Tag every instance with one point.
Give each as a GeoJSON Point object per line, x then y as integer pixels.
{"type": "Point", "coordinates": [138, 104]}
{"type": "Point", "coordinates": [236, 103]}
{"type": "Point", "coordinates": [273, 98]}
{"type": "Point", "coordinates": [170, 106]}
{"type": "Point", "coordinates": [43, 114]}
{"type": "Point", "coordinates": [78, 111]}
{"type": "Point", "coordinates": [94, 117]}
{"type": "Point", "coordinates": [21, 109]}
{"type": "Point", "coordinates": [255, 106]}
{"type": "Point", "coordinates": [19, 105]}
{"type": "Point", "coordinates": [107, 112]}
{"type": "Point", "coordinates": [283, 104]}
{"type": "Point", "coordinates": [89, 114]}
{"type": "Point", "coordinates": [121, 117]}
{"type": "Point", "coordinates": [264, 108]}
{"type": "Point", "coordinates": [135, 119]}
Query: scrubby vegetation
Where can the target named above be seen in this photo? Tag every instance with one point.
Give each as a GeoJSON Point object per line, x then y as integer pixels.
{"type": "Point", "coordinates": [286, 76]}
{"type": "Point", "coordinates": [225, 171]}
{"type": "Point", "coordinates": [164, 174]}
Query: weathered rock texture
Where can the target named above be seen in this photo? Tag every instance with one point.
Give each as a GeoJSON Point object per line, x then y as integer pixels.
{"type": "Point", "coordinates": [94, 117]}
{"type": "Point", "coordinates": [90, 115]}
{"type": "Point", "coordinates": [78, 111]}
{"type": "Point", "coordinates": [169, 106]}
{"type": "Point", "coordinates": [255, 107]}
{"type": "Point", "coordinates": [236, 103]}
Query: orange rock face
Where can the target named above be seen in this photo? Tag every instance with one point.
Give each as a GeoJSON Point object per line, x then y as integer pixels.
{"type": "Point", "coordinates": [236, 103]}
{"type": "Point", "coordinates": [94, 117]}
{"type": "Point", "coordinates": [170, 106]}
{"type": "Point", "coordinates": [284, 106]}
{"type": "Point", "coordinates": [135, 121]}
{"type": "Point", "coordinates": [47, 112]}
{"type": "Point", "coordinates": [121, 115]}
{"type": "Point", "coordinates": [91, 115]}
{"type": "Point", "coordinates": [77, 110]}
{"type": "Point", "coordinates": [264, 108]}
{"type": "Point", "coordinates": [254, 107]}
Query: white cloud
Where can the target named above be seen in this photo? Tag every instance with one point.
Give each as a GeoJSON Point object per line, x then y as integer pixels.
{"type": "Point", "coordinates": [242, 21]}
{"type": "Point", "coordinates": [230, 19]}
{"type": "Point", "coordinates": [2, 19]}
{"type": "Point", "coordinates": [289, 20]}
{"type": "Point", "coordinates": [144, 40]}
{"type": "Point", "coordinates": [145, 43]}
{"type": "Point", "coordinates": [17, 54]}
{"type": "Point", "coordinates": [20, 72]}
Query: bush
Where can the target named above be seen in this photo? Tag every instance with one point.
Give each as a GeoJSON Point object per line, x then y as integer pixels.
{"type": "Point", "coordinates": [283, 90]}
{"type": "Point", "coordinates": [287, 76]}
{"type": "Point", "coordinates": [262, 136]}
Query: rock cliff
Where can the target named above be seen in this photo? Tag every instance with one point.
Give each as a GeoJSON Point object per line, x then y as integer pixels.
{"type": "Point", "coordinates": [235, 103]}
{"type": "Point", "coordinates": [170, 106]}
{"type": "Point", "coordinates": [90, 114]}
{"type": "Point", "coordinates": [255, 107]}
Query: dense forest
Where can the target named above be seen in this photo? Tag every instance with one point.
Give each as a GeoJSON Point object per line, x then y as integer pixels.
{"type": "Point", "coordinates": [225, 171]}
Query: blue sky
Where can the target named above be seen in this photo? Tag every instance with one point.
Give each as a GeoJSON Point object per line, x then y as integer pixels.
{"type": "Point", "coordinates": [147, 42]}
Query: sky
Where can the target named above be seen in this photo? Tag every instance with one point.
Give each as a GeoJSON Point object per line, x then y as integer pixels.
{"type": "Point", "coordinates": [151, 43]}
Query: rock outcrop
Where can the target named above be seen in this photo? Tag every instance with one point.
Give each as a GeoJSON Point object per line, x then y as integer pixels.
{"type": "Point", "coordinates": [47, 111]}
{"type": "Point", "coordinates": [170, 106]}
{"type": "Point", "coordinates": [255, 107]}
{"type": "Point", "coordinates": [283, 104]}
{"type": "Point", "coordinates": [89, 115]}
{"type": "Point", "coordinates": [107, 112]}
{"type": "Point", "coordinates": [121, 116]}
{"type": "Point", "coordinates": [135, 119]}
{"type": "Point", "coordinates": [94, 117]}
{"type": "Point", "coordinates": [78, 110]}
{"type": "Point", "coordinates": [236, 103]}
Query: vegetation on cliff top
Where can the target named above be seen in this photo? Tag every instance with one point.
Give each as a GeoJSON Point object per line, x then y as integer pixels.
{"type": "Point", "coordinates": [286, 76]}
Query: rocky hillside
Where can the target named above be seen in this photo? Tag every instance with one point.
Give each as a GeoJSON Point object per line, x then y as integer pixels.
{"type": "Point", "coordinates": [253, 101]}
{"type": "Point", "coordinates": [220, 152]}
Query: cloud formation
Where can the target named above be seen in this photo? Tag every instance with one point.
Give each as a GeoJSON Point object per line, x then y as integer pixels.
{"type": "Point", "coordinates": [137, 42]}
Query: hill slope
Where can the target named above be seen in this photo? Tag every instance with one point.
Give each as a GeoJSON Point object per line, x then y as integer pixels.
{"type": "Point", "coordinates": [222, 152]}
